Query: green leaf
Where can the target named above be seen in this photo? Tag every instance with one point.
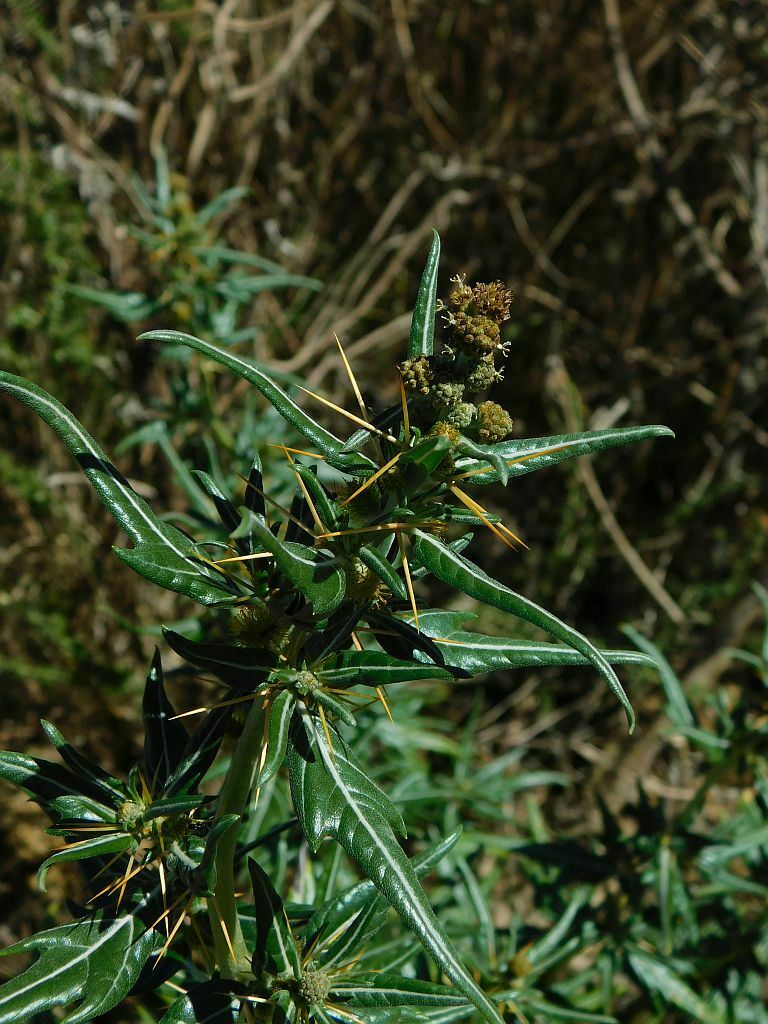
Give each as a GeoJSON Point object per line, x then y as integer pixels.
{"type": "Point", "coordinates": [162, 553]}
{"type": "Point", "coordinates": [328, 444]}
{"type": "Point", "coordinates": [98, 846]}
{"type": "Point", "coordinates": [165, 738]}
{"type": "Point", "coordinates": [539, 453]}
{"type": "Point", "coordinates": [467, 577]}
{"type": "Point", "coordinates": [480, 653]}
{"type": "Point", "coordinates": [421, 340]}
{"type": "Point", "coordinates": [678, 710]}
{"type": "Point", "coordinates": [243, 667]}
{"type": "Point", "coordinates": [241, 288]}
{"type": "Point", "coordinates": [333, 797]}
{"type": "Point", "coordinates": [127, 306]}
{"type": "Point", "coordinates": [108, 786]}
{"type": "Point", "coordinates": [274, 947]}
{"type": "Point", "coordinates": [280, 715]}
{"type": "Point", "coordinates": [483, 453]}
{"type": "Point", "coordinates": [312, 571]}
{"type": "Point", "coordinates": [376, 562]}
{"type": "Point", "coordinates": [657, 976]}
{"type": "Point", "coordinates": [370, 988]}
{"type": "Point", "coordinates": [45, 780]}
{"type": "Point", "coordinates": [209, 1003]}
{"type": "Point", "coordinates": [94, 963]}
{"type": "Point", "coordinates": [374, 668]}
{"type": "Point", "coordinates": [427, 454]}
{"type": "Point", "coordinates": [343, 913]}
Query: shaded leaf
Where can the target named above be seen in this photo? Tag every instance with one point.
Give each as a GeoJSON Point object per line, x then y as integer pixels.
{"type": "Point", "coordinates": [165, 739]}
{"type": "Point", "coordinates": [274, 948]}
{"type": "Point", "coordinates": [243, 667]}
{"type": "Point", "coordinates": [209, 1003]}
{"type": "Point", "coordinates": [659, 977]}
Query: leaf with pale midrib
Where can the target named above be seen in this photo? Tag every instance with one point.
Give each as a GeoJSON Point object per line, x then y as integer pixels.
{"type": "Point", "coordinates": [334, 798]}
{"type": "Point", "coordinates": [93, 962]}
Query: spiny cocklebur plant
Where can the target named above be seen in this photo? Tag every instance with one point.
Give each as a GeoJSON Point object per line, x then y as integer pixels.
{"type": "Point", "coordinates": [323, 616]}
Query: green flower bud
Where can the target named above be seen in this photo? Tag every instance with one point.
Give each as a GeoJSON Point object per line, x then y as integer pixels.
{"type": "Point", "coordinates": [447, 393]}
{"type": "Point", "coordinates": [483, 374]}
{"type": "Point", "coordinates": [460, 415]}
{"type": "Point", "coordinates": [417, 374]}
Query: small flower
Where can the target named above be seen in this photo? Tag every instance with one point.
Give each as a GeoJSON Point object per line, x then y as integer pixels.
{"type": "Point", "coordinates": [492, 300]}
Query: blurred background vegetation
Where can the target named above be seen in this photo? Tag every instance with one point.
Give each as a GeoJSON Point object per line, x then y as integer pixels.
{"type": "Point", "coordinates": [268, 174]}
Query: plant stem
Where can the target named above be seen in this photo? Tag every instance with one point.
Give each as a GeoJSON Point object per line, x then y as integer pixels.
{"type": "Point", "coordinates": [222, 907]}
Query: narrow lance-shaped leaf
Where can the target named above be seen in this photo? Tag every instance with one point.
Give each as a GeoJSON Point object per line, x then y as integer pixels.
{"type": "Point", "coordinates": [347, 905]}
{"type": "Point", "coordinates": [274, 946]}
{"type": "Point", "coordinates": [93, 962]}
{"type": "Point", "coordinates": [658, 976]}
{"type": "Point", "coordinates": [165, 738]}
{"type": "Point", "coordinates": [243, 667]}
{"type": "Point", "coordinates": [374, 668]}
{"type": "Point", "coordinates": [542, 452]}
{"type": "Point", "coordinates": [478, 653]}
{"type": "Point", "coordinates": [372, 988]}
{"type": "Point", "coordinates": [108, 786]}
{"type": "Point", "coordinates": [329, 445]}
{"type": "Point", "coordinates": [334, 798]}
{"type": "Point", "coordinates": [162, 553]}
{"type": "Point", "coordinates": [467, 577]}
{"type": "Point", "coordinates": [45, 780]}
{"type": "Point", "coordinates": [377, 563]}
{"type": "Point", "coordinates": [422, 336]}
{"type": "Point", "coordinates": [280, 714]}
{"type": "Point", "coordinates": [99, 846]}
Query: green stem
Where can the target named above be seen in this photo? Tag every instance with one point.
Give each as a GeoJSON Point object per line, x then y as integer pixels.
{"type": "Point", "coordinates": [233, 798]}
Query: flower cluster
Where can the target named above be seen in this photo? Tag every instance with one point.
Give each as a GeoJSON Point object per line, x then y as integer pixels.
{"type": "Point", "coordinates": [440, 387]}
